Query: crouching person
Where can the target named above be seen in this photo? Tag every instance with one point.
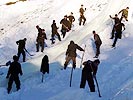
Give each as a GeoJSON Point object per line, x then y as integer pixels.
{"type": "Point", "coordinates": [89, 70]}
{"type": "Point", "coordinates": [13, 74]}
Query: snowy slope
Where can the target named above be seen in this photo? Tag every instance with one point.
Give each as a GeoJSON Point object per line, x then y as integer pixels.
{"type": "Point", "coordinates": [115, 75]}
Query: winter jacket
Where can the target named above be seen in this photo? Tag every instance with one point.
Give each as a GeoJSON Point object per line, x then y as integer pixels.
{"type": "Point", "coordinates": [14, 69]}
{"type": "Point", "coordinates": [124, 12]}
{"type": "Point", "coordinates": [41, 36]}
{"type": "Point", "coordinates": [45, 65]}
{"type": "Point", "coordinates": [54, 28]}
{"type": "Point", "coordinates": [21, 44]}
{"type": "Point", "coordinates": [90, 67]}
{"type": "Point", "coordinates": [65, 24]}
{"type": "Point", "coordinates": [71, 50]}
{"type": "Point", "coordinates": [97, 39]}
{"type": "Point", "coordinates": [81, 10]}
{"type": "Point", "coordinates": [71, 18]}
{"type": "Point", "coordinates": [118, 27]}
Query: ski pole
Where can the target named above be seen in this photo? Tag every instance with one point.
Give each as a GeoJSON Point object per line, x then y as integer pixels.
{"type": "Point", "coordinates": [71, 77]}
{"type": "Point", "coordinates": [28, 53]}
{"type": "Point", "coordinates": [7, 63]}
{"type": "Point", "coordinates": [97, 86]}
{"type": "Point", "coordinates": [96, 83]}
{"type": "Point", "coordinates": [82, 57]}
{"type": "Point", "coordinates": [42, 77]}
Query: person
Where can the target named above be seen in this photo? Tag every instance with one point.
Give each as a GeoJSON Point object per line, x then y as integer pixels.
{"type": "Point", "coordinates": [98, 43]}
{"type": "Point", "coordinates": [21, 48]}
{"type": "Point", "coordinates": [65, 26]}
{"type": "Point", "coordinates": [88, 72]}
{"type": "Point", "coordinates": [71, 54]}
{"type": "Point", "coordinates": [39, 29]}
{"type": "Point", "coordinates": [124, 14]}
{"type": "Point", "coordinates": [54, 32]}
{"type": "Point", "coordinates": [71, 18]}
{"type": "Point", "coordinates": [116, 20]}
{"type": "Point", "coordinates": [45, 65]}
{"type": "Point", "coordinates": [82, 17]}
{"type": "Point", "coordinates": [13, 74]}
{"type": "Point", "coordinates": [41, 40]}
{"type": "Point", "coordinates": [118, 34]}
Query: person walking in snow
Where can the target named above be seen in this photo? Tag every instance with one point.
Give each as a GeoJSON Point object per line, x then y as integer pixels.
{"type": "Point", "coordinates": [13, 74]}
{"type": "Point", "coordinates": [98, 43]}
{"type": "Point", "coordinates": [21, 48]}
{"type": "Point", "coordinates": [118, 34]}
{"type": "Point", "coordinates": [45, 65]}
{"type": "Point", "coordinates": [89, 71]}
{"type": "Point", "coordinates": [116, 20]}
{"type": "Point", "coordinates": [71, 18]}
{"type": "Point", "coordinates": [41, 40]}
{"type": "Point", "coordinates": [124, 14]}
{"type": "Point", "coordinates": [82, 17]}
{"type": "Point", "coordinates": [54, 32]}
{"type": "Point", "coordinates": [71, 54]}
{"type": "Point", "coordinates": [66, 26]}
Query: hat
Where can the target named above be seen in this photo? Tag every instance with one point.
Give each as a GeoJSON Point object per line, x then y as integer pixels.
{"type": "Point", "coordinates": [93, 32]}
{"type": "Point", "coordinates": [25, 39]}
{"type": "Point", "coordinates": [71, 42]}
{"type": "Point", "coordinates": [15, 58]}
{"type": "Point", "coordinates": [65, 16]}
{"type": "Point", "coordinates": [82, 5]}
{"type": "Point", "coordinates": [116, 15]}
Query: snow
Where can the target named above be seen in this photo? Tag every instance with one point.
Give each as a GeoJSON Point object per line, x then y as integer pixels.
{"type": "Point", "coordinates": [115, 73]}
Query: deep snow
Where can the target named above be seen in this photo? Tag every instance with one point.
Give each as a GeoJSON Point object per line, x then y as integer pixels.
{"type": "Point", "coordinates": [115, 75]}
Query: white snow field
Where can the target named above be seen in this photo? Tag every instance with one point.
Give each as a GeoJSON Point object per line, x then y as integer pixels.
{"type": "Point", "coordinates": [115, 72]}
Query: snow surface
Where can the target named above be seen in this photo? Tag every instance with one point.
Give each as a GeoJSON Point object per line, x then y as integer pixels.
{"type": "Point", "coordinates": [115, 73]}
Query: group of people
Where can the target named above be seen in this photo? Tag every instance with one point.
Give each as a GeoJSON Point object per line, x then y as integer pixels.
{"type": "Point", "coordinates": [118, 25]}
{"type": "Point", "coordinates": [90, 67]}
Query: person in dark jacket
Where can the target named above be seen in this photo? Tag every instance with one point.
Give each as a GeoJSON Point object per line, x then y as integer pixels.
{"type": "Point", "coordinates": [66, 26]}
{"type": "Point", "coordinates": [71, 18]}
{"type": "Point", "coordinates": [71, 54]}
{"type": "Point", "coordinates": [45, 65]}
{"type": "Point", "coordinates": [118, 34]}
{"type": "Point", "coordinates": [98, 43]}
{"type": "Point", "coordinates": [54, 32]}
{"type": "Point", "coordinates": [21, 48]}
{"type": "Point", "coordinates": [13, 74]}
{"type": "Point", "coordinates": [39, 29]}
{"type": "Point", "coordinates": [89, 71]}
{"type": "Point", "coordinates": [116, 20]}
{"type": "Point", "coordinates": [41, 40]}
{"type": "Point", "coordinates": [82, 17]}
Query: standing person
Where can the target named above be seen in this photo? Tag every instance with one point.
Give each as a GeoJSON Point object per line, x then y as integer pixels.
{"type": "Point", "coordinates": [65, 26]}
{"type": "Point", "coordinates": [71, 54]}
{"type": "Point", "coordinates": [54, 32]}
{"type": "Point", "coordinates": [71, 18]}
{"type": "Point", "coordinates": [116, 20]}
{"type": "Point", "coordinates": [118, 35]}
{"type": "Point", "coordinates": [82, 17]}
{"type": "Point", "coordinates": [41, 40]}
{"type": "Point", "coordinates": [39, 29]}
{"type": "Point", "coordinates": [13, 74]}
{"type": "Point", "coordinates": [45, 65]}
{"type": "Point", "coordinates": [98, 43]}
{"type": "Point", "coordinates": [124, 14]}
{"type": "Point", "coordinates": [21, 48]}
{"type": "Point", "coordinates": [89, 71]}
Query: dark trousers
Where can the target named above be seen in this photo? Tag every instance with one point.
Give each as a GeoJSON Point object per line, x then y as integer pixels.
{"type": "Point", "coordinates": [40, 43]}
{"type": "Point", "coordinates": [97, 49]}
{"type": "Point", "coordinates": [17, 82]}
{"type": "Point", "coordinates": [112, 34]}
{"type": "Point", "coordinates": [117, 36]}
{"type": "Point", "coordinates": [23, 53]}
{"type": "Point", "coordinates": [63, 32]}
{"type": "Point", "coordinates": [82, 18]}
{"type": "Point", "coordinates": [53, 34]}
{"type": "Point", "coordinates": [89, 78]}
